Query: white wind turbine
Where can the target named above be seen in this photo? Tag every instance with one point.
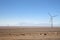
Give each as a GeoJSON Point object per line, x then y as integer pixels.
{"type": "Point", "coordinates": [51, 19]}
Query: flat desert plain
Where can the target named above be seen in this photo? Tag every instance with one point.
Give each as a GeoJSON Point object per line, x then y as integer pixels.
{"type": "Point", "coordinates": [17, 33]}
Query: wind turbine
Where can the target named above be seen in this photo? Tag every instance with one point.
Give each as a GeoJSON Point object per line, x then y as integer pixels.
{"type": "Point", "coordinates": [51, 19]}
{"type": "Point", "coordinates": [7, 24]}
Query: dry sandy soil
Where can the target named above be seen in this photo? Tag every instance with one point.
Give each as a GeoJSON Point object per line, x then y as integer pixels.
{"type": "Point", "coordinates": [17, 33]}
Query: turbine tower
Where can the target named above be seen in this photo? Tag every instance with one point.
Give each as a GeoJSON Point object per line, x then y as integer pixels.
{"type": "Point", "coordinates": [51, 19]}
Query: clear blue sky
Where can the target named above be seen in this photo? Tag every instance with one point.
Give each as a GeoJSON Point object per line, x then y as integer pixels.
{"type": "Point", "coordinates": [29, 12]}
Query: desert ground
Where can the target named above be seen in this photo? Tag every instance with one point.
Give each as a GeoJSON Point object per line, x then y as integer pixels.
{"type": "Point", "coordinates": [17, 33]}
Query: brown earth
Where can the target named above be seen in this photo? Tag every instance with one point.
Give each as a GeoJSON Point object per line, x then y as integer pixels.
{"type": "Point", "coordinates": [17, 33]}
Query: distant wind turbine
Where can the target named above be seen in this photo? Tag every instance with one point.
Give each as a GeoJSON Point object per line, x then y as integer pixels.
{"type": "Point", "coordinates": [51, 19]}
{"type": "Point", "coordinates": [7, 24]}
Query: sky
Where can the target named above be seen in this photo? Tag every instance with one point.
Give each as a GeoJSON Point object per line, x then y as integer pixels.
{"type": "Point", "coordinates": [29, 12]}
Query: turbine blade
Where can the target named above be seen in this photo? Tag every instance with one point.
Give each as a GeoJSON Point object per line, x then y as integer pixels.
{"type": "Point", "coordinates": [55, 15]}
{"type": "Point", "coordinates": [49, 14]}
